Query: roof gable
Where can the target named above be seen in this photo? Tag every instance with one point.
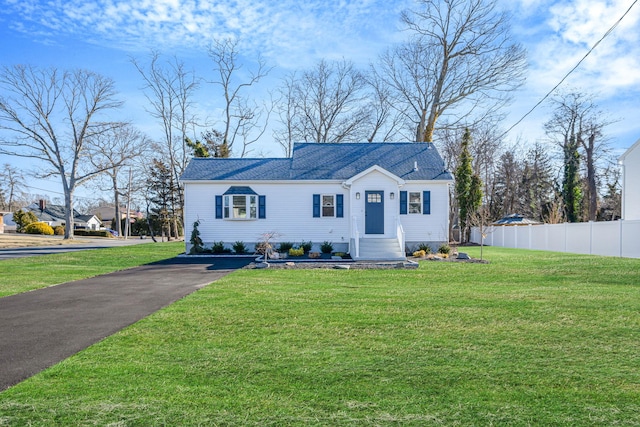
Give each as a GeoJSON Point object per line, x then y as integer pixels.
{"type": "Point", "coordinates": [326, 161]}
{"type": "Point", "coordinates": [374, 168]}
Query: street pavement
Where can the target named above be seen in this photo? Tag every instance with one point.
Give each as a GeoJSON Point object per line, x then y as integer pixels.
{"type": "Point", "coordinates": [43, 327]}
{"type": "Point", "coordinates": [84, 244]}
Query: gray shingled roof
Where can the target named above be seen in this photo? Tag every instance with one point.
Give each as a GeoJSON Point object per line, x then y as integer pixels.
{"type": "Point", "coordinates": [313, 161]}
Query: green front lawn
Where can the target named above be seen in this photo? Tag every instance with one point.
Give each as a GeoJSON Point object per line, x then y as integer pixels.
{"type": "Point", "coordinates": [532, 338]}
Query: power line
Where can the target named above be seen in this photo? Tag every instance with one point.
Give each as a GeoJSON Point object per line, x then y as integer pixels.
{"type": "Point", "coordinates": [609, 31]}
{"type": "Point", "coordinates": [55, 192]}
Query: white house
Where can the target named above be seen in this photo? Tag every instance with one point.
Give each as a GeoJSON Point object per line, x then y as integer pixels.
{"type": "Point", "coordinates": [630, 162]}
{"type": "Point", "coordinates": [373, 200]}
{"type": "Point", "coordinates": [54, 215]}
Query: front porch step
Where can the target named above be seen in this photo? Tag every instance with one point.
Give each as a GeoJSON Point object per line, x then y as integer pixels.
{"type": "Point", "coordinates": [380, 249]}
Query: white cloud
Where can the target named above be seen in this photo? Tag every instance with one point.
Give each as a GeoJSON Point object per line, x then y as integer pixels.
{"type": "Point", "coordinates": [557, 35]}
{"type": "Point", "coordinates": [288, 31]}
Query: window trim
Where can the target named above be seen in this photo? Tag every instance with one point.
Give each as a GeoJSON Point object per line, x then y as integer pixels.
{"type": "Point", "coordinates": [332, 205]}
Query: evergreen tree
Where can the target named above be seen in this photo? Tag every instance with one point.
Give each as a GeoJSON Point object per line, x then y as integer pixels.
{"type": "Point", "coordinates": [22, 219]}
{"type": "Point", "coordinates": [537, 182]}
{"type": "Point", "coordinates": [200, 150]}
{"type": "Point", "coordinates": [163, 191]}
{"type": "Point", "coordinates": [468, 187]}
{"type": "Point", "coordinates": [571, 185]}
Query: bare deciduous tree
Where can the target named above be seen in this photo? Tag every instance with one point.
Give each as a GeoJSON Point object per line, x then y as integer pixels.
{"type": "Point", "coordinates": [52, 116]}
{"type": "Point", "coordinates": [242, 121]}
{"type": "Point", "coordinates": [459, 63]}
{"type": "Point", "coordinates": [11, 186]}
{"type": "Point", "coordinates": [326, 103]}
{"type": "Point", "coordinates": [169, 88]}
{"type": "Point", "coordinates": [287, 110]}
{"type": "Point", "coordinates": [114, 151]}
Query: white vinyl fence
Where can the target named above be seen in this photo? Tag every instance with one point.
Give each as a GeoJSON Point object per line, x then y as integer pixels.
{"type": "Point", "coordinates": [613, 238]}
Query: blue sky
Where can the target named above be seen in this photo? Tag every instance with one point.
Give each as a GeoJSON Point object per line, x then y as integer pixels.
{"type": "Point", "coordinates": [102, 35]}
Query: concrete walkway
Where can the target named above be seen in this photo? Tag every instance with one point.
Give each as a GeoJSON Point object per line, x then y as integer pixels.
{"type": "Point", "coordinates": [43, 327]}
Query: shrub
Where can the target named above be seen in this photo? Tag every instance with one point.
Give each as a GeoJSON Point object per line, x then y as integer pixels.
{"type": "Point", "coordinates": [218, 248]}
{"type": "Point", "coordinates": [420, 253]}
{"type": "Point", "coordinates": [424, 247]}
{"type": "Point", "coordinates": [39, 228]}
{"type": "Point", "coordinates": [285, 247]}
{"type": "Point", "coordinates": [239, 247]}
{"type": "Point", "coordinates": [444, 249]}
{"type": "Point", "coordinates": [326, 247]}
{"type": "Point", "coordinates": [93, 233]}
{"type": "Point", "coordinates": [306, 246]}
{"type": "Point", "coordinates": [58, 230]}
{"type": "Point", "coordinates": [296, 252]}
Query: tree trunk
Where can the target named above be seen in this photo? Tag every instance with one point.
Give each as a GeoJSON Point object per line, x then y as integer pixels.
{"type": "Point", "coordinates": [117, 214]}
{"type": "Point", "coordinates": [68, 217]}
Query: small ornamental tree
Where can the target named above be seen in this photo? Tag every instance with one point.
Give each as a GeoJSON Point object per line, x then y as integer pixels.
{"type": "Point", "coordinates": [197, 246]}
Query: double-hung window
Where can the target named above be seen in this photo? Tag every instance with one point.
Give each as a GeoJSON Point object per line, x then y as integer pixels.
{"type": "Point", "coordinates": [415, 202]}
{"type": "Point", "coordinates": [328, 205]}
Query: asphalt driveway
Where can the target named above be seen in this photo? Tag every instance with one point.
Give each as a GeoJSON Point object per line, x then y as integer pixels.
{"type": "Point", "coordinates": [43, 327]}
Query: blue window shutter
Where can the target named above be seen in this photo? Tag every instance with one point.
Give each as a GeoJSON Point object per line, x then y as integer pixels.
{"type": "Point", "coordinates": [339, 206]}
{"type": "Point", "coordinates": [403, 203]}
{"type": "Point", "coordinates": [262, 207]}
{"type": "Point", "coordinates": [426, 202]}
{"type": "Point", "coordinates": [218, 207]}
{"type": "Point", "coordinates": [316, 206]}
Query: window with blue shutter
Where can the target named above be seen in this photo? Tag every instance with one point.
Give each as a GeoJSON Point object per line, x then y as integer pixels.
{"type": "Point", "coordinates": [426, 202]}
{"type": "Point", "coordinates": [218, 207]}
{"type": "Point", "coordinates": [316, 206]}
{"type": "Point", "coordinates": [403, 203]}
{"type": "Point", "coordinates": [339, 206]}
{"type": "Point", "coordinates": [241, 203]}
{"type": "Point", "coordinates": [262, 207]}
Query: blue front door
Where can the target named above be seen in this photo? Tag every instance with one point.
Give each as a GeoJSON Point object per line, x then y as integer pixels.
{"type": "Point", "coordinates": [374, 212]}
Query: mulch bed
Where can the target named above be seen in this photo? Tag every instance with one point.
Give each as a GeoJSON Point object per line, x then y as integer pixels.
{"type": "Point", "coordinates": [411, 263]}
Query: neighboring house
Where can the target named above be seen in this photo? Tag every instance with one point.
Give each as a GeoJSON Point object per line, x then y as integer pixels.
{"type": "Point", "coordinates": [54, 216]}
{"type": "Point", "coordinates": [515, 219]}
{"type": "Point", "coordinates": [108, 213]}
{"type": "Point", "coordinates": [373, 200]}
{"type": "Point", "coordinates": [630, 162]}
{"type": "Point", "coordinates": [2, 220]}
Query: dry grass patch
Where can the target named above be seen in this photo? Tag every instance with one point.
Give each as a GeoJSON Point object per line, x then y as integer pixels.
{"type": "Point", "coordinates": [15, 240]}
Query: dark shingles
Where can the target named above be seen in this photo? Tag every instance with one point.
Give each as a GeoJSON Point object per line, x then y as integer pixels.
{"type": "Point", "coordinates": [313, 161]}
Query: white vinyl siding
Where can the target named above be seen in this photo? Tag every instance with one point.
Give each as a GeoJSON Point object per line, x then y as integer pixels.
{"type": "Point", "coordinates": [289, 213]}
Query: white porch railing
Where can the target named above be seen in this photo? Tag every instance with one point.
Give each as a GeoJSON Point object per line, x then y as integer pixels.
{"type": "Point", "coordinates": [355, 236]}
{"type": "Point", "coordinates": [400, 234]}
